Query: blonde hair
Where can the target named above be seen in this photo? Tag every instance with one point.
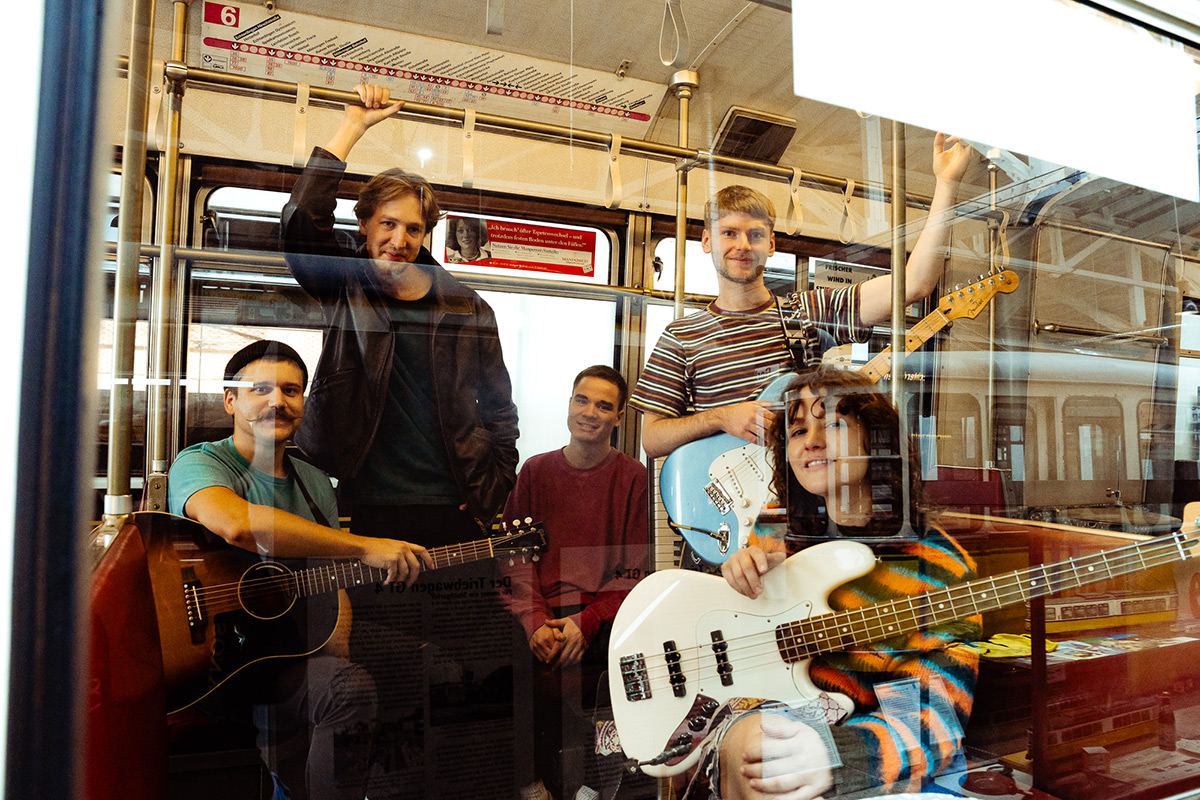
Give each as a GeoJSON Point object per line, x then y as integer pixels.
{"type": "Point", "coordinates": [739, 200]}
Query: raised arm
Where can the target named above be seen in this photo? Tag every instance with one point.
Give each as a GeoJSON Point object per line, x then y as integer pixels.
{"type": "Point", "coordinates": [359, 119]}
{"type": "Point", "coordinates": [925, 265]}
{"type": "Point", "coordinates": [267, 530]}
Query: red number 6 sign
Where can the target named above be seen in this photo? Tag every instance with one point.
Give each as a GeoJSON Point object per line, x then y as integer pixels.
{"type": "Point", "coordinates": [221, 15]}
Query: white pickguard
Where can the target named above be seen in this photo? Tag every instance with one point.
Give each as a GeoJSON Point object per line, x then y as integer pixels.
{"type": "Point", "coordinates": [740, 479]}
{"type": "Point", "coordinates": [685, 607]}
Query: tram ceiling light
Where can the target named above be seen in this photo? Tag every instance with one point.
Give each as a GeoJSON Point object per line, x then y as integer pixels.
{"type": "Point", "coordinates": [755, 135]}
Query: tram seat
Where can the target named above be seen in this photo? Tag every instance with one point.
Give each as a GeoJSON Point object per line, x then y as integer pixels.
{"type": "Point", "coordinates": [970, 490]}
{"type": "Point", "coordinates": [126, 741]}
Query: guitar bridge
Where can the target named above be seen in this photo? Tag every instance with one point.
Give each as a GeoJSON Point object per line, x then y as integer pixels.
{"type": "Point", "coordinates": [635, 678]}
{"type": "Point", "coordinates": [192, 605]}
{"type": "Point", "coordinates": [719, 497]}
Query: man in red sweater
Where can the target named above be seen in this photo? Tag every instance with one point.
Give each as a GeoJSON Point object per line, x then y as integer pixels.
{"type": "Point", "coordinates": [592, 500]}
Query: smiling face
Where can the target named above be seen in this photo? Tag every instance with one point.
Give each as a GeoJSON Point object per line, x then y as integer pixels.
{"type": "Point", "coordinates": [739, 245]}
{"type": "Point", "coordinates": [268, 411]}
{"type": "Point", "coordinates": [594, 410]}
{"type": "Point", "coordinates": [828, 455]}
{"type": "Point", "coordinates": [467, 235]}
{"type": "Point", "coordinates": [394, 234]}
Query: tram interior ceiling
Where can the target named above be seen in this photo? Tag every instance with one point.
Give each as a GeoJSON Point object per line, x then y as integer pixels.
{"type": "Point", "coordinates": [1047, 384]}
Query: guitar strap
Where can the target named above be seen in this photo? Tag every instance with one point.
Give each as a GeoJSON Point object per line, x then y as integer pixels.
{"type": "Point", "coordinates": [799, 334]}
{"type": "Point", "coordinates": [318, 515]}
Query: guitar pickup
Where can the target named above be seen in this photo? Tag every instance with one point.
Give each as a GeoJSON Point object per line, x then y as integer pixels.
{"type": "Point", "coordinates": [635, 678]}
{"type": "Point", "coordinates": [675, 669]}
{"type": "Point", "coordinates": [720, 650]}
{"type": "Point", "coordinates": [192, 605]}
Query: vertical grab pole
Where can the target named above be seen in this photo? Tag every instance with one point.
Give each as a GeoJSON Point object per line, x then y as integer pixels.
{"type": "Point", "coordinates": [899, 217]}
{"type": "Point", "coordinates": [899, 263]}
{"type": "Point", "coordinates": [683, 83]}
{"type": "Point", "coordinates": [165, 287]}
{"type": "Point", "coordinates": [118, 500]}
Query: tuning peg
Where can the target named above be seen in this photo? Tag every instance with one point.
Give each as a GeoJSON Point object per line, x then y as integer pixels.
{"type": "Point", "coordinates": [536, 557]}
{"type": "Point", "coordinates": [529, 520]}
{"type": "Point", "coordinates": [511, 563]}
{"type": "Point", "coordinates": [957, 287]}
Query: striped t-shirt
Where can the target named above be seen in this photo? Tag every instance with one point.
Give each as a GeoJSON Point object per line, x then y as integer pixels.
{"type": "Point", "coordinates": [715, 358]}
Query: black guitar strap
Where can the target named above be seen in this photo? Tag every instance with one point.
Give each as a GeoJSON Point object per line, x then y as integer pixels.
{"type": "Point", "coordinates": [799, 334]}
{"type": "Point", "coordinates": [320, 517]}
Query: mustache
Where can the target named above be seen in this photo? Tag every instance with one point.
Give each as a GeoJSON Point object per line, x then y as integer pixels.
{"type": "Point", "coordinates": [271, 416]}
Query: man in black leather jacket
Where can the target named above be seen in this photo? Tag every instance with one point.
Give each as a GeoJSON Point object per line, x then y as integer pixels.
{"type": "Point", "coordinates": [411, 406]}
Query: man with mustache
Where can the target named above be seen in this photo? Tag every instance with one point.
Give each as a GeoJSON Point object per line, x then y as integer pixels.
{"type": "Point", "coordinates": [247, 490]}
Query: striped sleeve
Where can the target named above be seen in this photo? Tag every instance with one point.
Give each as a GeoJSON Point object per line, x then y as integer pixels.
{"type": "Point", "coordinates": [663, 386]}
{"type": "Point", "coordinates": [899, 755]}
{"type": "Point", "coordinates": [836, 311]}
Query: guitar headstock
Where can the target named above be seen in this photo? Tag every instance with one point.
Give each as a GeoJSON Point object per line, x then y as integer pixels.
{"type": "Point", "coordinates": [520, 537]}
{"type": "Point", "coordinates": [969, 300]}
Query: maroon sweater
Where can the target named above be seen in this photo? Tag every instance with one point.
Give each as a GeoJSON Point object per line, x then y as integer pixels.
{"type": "Point", "coordinates": [596, 526]}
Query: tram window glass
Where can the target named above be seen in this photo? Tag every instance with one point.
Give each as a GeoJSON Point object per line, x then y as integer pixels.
{"type": "Point", "coordinates": [248, 219]}
{"type": "Point", "coordinates": [1015, 433]}
{"type": "Point", "coordinates": [1155, 437]}
{"type": "Point", "coordinates": [958, 440]}
{"type": "Point", "coordinates": [1092, 438]}
{"type": "Point", "coordinates": [1187, 411]}
{"type": "Point", "coordinates": [1096, 282]}
{"type": "Point", "coordinates": [700, 277]}
{"type": "Point", "coordinates": [547, 341]}
{"type": "Point", "coordinates": [507, 246]}
{"type": "Point", "coordinates": [104, 380]}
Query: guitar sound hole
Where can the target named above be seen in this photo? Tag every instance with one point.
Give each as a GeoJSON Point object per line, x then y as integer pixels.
{"type": "Point", "coordinates": [266, 590]}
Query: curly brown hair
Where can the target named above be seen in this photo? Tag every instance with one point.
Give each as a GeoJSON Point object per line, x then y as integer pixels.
{"type": "Point", "coordinates": [891, 474]}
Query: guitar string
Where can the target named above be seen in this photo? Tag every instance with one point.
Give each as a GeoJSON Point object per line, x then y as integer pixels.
{"type": "Point", "coordinates": [894, 610]}
{"type": "Point", "coordinates": [873, 620]}
{"type": "Point", "coordinates": [327, 574]}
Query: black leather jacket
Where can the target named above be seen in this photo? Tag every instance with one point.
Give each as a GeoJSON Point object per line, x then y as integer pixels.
{"type": "Point", "coordinates": [477, 417]}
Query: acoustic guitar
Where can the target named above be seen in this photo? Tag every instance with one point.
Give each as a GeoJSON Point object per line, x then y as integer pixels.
{"type": "Point", "coordinates": [222, 610]}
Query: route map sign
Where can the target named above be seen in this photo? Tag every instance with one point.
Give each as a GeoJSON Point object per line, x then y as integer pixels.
{"type": "Point", "coordinates": [250, 40]}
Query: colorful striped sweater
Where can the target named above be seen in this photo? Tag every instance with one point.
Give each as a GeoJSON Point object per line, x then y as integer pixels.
{"type": "Point", "coordinates": [900, 757]}
{"type": "Point", "coordinates": [901, 753]}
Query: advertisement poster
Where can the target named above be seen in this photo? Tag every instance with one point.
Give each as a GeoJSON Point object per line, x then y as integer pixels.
{"type": "Point", "coordinates": [519, 245]}
{"type": "Point", "coordinates": [250, 40]}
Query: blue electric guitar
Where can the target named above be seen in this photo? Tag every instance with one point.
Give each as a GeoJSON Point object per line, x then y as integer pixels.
{"type": "Point", "coordinates": [714, 488]}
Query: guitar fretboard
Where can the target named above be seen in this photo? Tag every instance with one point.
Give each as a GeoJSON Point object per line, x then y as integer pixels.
{"type": "Point", "coordinates": [345, 574]}
{"type": "Point", "coordinates": [858, 627]}
{"type": "Point", "coordinates": [204, 600]}
{"type": "Point", "coordinates": [918, 335]}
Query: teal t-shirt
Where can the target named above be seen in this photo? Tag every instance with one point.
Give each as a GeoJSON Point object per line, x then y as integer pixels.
{"type": "Point", "coordinates": [220, 464]}
{"type": "Point", "coordinates": [407, 462]}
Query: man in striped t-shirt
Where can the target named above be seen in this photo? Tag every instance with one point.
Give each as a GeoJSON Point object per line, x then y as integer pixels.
{"type": "Point", "coordinates": [708, 366]}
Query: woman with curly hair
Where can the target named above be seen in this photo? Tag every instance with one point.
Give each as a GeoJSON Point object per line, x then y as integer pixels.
{"type": "Point", "coordinates": [839, 462]}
